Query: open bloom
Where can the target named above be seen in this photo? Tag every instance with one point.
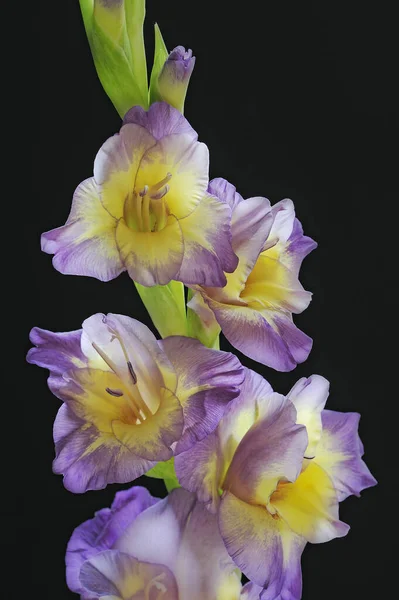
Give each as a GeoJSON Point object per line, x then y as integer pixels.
{"type": "Point", "coordinates": [254, 309]}
{"type": "Point", "coordinates": [129, 400]}
{"type": "Point", "coordinates": [282, 465]}
{"type": "Point", "coordinates": [147, 209]}
{"type": "Point", "coordinates": [150, 549]}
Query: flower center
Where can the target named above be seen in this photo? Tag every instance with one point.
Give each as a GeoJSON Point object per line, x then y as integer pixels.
{"type": "Point", "coordinates": [130, 390]}
{"type": "Point", "coordinates": [146, 209]}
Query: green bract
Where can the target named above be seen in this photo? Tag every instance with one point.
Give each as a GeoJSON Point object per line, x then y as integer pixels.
{"type": "Point", "coordinates": [115, 34]}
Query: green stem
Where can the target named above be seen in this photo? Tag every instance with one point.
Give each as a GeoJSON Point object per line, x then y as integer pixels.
{"type": "Point", "coordinates": [166, 306]}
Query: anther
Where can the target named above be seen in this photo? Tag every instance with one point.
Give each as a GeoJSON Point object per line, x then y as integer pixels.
{"type": "Point", "coordinates": [144, 191]}
{"type": "Point", "coordinates": [116, 393]}
{"type": "Point", "coordinates": [131, 371]}
{"type": "Point", "coordinates": [160, 193]}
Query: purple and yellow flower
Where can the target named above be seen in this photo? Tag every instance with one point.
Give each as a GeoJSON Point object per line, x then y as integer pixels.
{"type": "Point", "coordinates": [254, 309]}
{"type": "Point", "coordinates": [147, 210]}
{"type": "Point", "coordinates": [274, 472]}
{"type": "Point", "coordinates": [149, 549]}
{"type": "Point", "coordinates": [129, 400]}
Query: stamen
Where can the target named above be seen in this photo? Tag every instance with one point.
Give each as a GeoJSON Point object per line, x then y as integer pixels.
{"type": "Point", "coordinates": [161, 183]}
{"type": "Point", "coordinates": [131, 371]}
{"type": "Point", "coordinates": [116, 393]}
{"type": "Point", "coordinates": [160, 193]}
{"type": "Point", "coordinates": [105, 358]}
{"type": "Point", "coordinates": [144, 191]}
{"type": "Point", "coordinates": [145, 212]}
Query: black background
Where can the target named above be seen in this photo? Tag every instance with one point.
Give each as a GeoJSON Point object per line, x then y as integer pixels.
{"type": "Point", "coordinates": [294, 99]}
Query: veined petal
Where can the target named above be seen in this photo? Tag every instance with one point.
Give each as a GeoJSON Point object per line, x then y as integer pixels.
{"type": "Point", "coordinates": [180, 533]}
{"type": "Point", "coordinates": [203, 468]}
{"type": "Point", "coordinates": [90, 459]}
{"type": "Point", "coordinates": [101, 532]}
{"type": "Point", "coordinates": [264, 548]}
{"type": "Point", "coordinates": [309, 396]}
{"type": "Point", "coordinates": [86, 244]}
{"type": "Point", "coordinates": [153, 438]}
{"type": "Point", "coordinates": [268, 337]}
{"type": "Point", "coordinates": [340, 453]}
{"type": "Point", "coordinates": [250, 226]}
{"type": "Point", "coordinates": [309, 506]}
{"type": "Point", "coordinates": [160, 120]}
{"type": "Point", "coordinates": [207, 244]}
{"type": "Point", "coordinates": [116, 575]}
{"type": "Point", "coordinates": [200, 470]}
{"type": "Point", "coordinates": [154, 257]}
{"type": "Point", "coordinates": [187, 161]}
{"type": "Point", "coordinates": [57, 352]}
{"type": "Point", "coordinates": [225, 191]}
{"type": "Point", "coordinates": [271, 450]}
{"type": "Point", "coordinates": [250, 591]}
{"type": "Point", "coordinates": [207, 380]}
{"type": "Point", "coordinates": [117, 163]}
{"type": "Point", "coordinates": [298, 247]}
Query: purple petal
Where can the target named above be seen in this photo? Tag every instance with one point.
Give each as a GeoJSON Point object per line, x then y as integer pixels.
{"type": "Point", "coordinates": [250, 591]}
{"type": "Point", "coordinates": [114, 574]}
{"type": "Point", "coordinates": [272, 450]}
{"type": "Point", "coordinates": [208, 251]}
{"type": "Point", "coordinates": [202, 468]}
{"type": "Point", "coordinates": [225, 191]}
{"type": "Point", "coordinates": [298, 247]}
{"type": "Point", "coordinates": [265, 550]}
{"type": "Point", "coordinates": [180, 533]}
{"type": "Point", "coordinates": [102, 532]}
{"type": "Point", "coordinates": [268, 337]}
{"type": "Point", "coordinates": [160, 120]}
{"type": "Point", "coordinates": [251, 224]}
{"type": "Point", "coordinates": [90, 459]}
{"type": "Point", "coordinates": [58, 352]}
{"type": "Point", "coordinates": [86, 244]}
{"type": "Point", "coordinates": [340, 453]}
{"type": "Point", "coordinates": [207, 381]}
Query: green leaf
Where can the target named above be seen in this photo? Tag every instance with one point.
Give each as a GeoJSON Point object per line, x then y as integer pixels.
{"type": "Point", "coordinates": [160, 56]}
{"type": "Point", "coordinates": [166, 306]}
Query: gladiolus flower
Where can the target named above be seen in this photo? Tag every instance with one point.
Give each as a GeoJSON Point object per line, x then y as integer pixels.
{"type": "Point", "coordinates": [147, 209]}
{"type": "Point", "coordinates": [129, 400]}
{"type": "Point", "coordinates": [282, 465]}
{"type": "Point", "coordinates": [148, 548]}
{"type": "Point", "coordinates": [254, 309]}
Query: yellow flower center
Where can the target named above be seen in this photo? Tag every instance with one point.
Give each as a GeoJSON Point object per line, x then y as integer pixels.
{"type": "Point", "coordinates": [141, 411]}
{"type": "Point", "coordinates": [146, 209]}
